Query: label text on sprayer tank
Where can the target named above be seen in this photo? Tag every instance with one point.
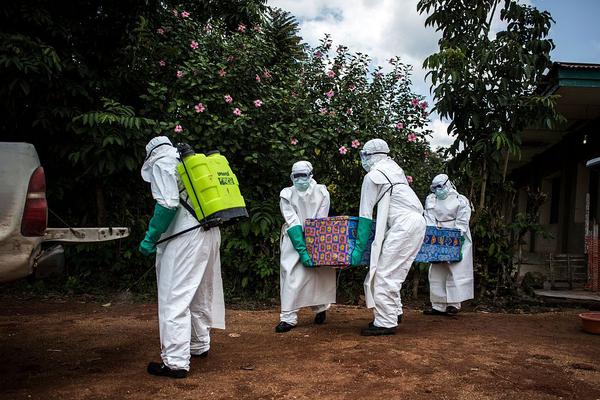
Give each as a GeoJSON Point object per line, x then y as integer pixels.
{"type": "Point", "coordinates": [225, 179]}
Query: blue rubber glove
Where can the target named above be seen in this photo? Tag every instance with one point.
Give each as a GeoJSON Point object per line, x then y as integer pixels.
{"type": "Point", "coordinates": [362, 238]}
{"type": "Point", "coordinates": [297, 238]}
{"type": "Point", "coordinates": [159, 223]}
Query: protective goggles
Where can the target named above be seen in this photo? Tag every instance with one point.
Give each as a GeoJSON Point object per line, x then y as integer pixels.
{"type": "Point", "coordinates": [364, 154]}
{"type": "Point", "coordinates": [433, 188]}
{"type": "Point", "coordinates": [300, 175]}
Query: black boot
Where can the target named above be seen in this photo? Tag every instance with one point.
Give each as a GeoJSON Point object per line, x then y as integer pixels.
{"type": "Point", "coordinates": [373, 330]}
{"type": "Point", "coordinates": [433, 311]}
{"type": "Point", "coordinates": [451, 310]}
{"type": "Point", "coordinates": [201, 355]}
{"type": "Point", "coordinates": [320, 317]}
{"type": "Point", "coordinates": [283, 327]}
{"type": "Point", "coordinates": [400, 319]}
{"type": "Point", "coordinates": [160, 369]}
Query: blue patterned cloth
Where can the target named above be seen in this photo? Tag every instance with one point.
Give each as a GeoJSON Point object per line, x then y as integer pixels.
{"type": "Point", "coordinates": [440, 245]}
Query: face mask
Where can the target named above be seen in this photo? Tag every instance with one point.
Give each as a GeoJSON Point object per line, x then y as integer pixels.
{"type": "Point", "coordinates": [442, 193]}
{"type": "Point", "coordinates": [365, 164]}
{"type": "Point", "coordinates": [301, 184]}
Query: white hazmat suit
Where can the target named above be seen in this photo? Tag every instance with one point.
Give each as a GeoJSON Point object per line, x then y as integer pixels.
{"type": "Point", "coordinates": [399, 233]}
{"type": "Point", "coordinates": [303, 286]}
{"type": "Point", "coordinates": [450, 283]}
{"type": "Point", "coordinates": [188, 267]}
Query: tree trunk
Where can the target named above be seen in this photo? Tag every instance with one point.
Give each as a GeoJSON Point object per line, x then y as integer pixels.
{"type": "Point", "coordinates": [100, 206]}
{"type": "Point", "coordinates": [415, 281]}
{"type": "Point", "coordinates": [483, 185]}
{"type": "Point", "coordinates": [505, 166]}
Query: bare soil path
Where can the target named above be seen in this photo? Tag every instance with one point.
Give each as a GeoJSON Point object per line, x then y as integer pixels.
{"type": "Point", "coordinates": [71, 350]}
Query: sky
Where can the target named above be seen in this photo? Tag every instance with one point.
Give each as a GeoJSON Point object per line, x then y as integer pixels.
{"type": "Point", "coordinates": [386, 28]}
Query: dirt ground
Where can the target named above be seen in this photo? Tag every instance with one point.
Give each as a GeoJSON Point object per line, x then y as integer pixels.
{"type": "Point", "coordinates": [71, 350]}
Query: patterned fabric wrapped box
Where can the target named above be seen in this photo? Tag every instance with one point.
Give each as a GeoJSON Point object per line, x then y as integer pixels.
{"type": "Point", "coordinates": [330, 241]}
{"type": "Point", "coordinates": [439, 245]}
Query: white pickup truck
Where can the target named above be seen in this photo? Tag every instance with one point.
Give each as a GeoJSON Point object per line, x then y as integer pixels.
{"type": "Point", "coordinates": [27, 245]}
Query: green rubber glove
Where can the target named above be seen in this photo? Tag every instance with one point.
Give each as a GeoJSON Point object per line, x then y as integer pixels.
{"type": "Point", "coordinates": [297, 238]}
{"type": "Point", "coordinates": [462, 242]}
{"type": "Point", "coordinates": [362, 237]}
{"type": "Point", "coordinates": [159, 223]}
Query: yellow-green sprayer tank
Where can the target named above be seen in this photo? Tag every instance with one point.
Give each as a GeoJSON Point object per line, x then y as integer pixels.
{"type": "Point", "coordinates": [212, 187]}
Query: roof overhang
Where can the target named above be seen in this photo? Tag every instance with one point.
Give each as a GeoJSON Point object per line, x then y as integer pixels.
{"type": "Point", "coordinates": [578, 86]}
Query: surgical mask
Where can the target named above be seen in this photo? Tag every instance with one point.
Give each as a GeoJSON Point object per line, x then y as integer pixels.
{"type": "Point", "coordinates": [442, 193]}
{"type": "Point", "coordinates": [302, 184]}
{"type": "Point", "coordinates": [365, 164]}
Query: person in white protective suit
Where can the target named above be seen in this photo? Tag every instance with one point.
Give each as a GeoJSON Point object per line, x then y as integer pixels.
{"type": "Point", "coordinates": [449, 283]}
{"type": "Point", "coordinates": [399, 233]}
{"type": "Point", "coordinates": [188, 266]}
{"type": "Point", "coordinates": [301, 285]}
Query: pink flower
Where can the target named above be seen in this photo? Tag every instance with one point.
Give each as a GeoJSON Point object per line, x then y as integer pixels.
{"type": "Point", "coordinates": [423, 105]}
{"type": "Point", "coordinates": [343, 150]}
{"type": "Point", "coordinates": [162, 63]}
{"type": "Point", "coordinates": [329, 94]}
{"type": "Point", "coordinates": [349, 111]}
{"type": "Point", "coordinates": [178, 128]}
{"type": "Point", "coordinates": [331, 74]}
{"type": "Point", "coordinates": [355, 144]}
{"type": "Point", "coordinates": [179, 74]}
{"type": "Point", "coordinates": [185, 14]}
{"type": "Point", "coordinates": [237, 111]}
{"type": "Point", "coordinates": [352, 87]}
{"type": "Point", "coordinates": [258, 103]}
{"type": "Point", "coordinates": [323, 110]}
{"type": "Point", "coordinates": [318, 54]}
{"type": "Point", "coordinates": [257, 77]}
{"type": "Point", "coordinates": [294, 94]}
{"type": "Point", "coordinates": [194, 45]}
{"type": "Point", "coordinates": [160, 31]}
{"type": "Point", "coordinates": [426, 154]}
{"type": "Point", "coordinates": [266, 74]}
{"type": "Point", "coordinates": [399, 125]}
{"type": "Point", "coordinates": [409, 179]}
{"type": "Point", "coordinates": [378, 75]}
{"type": "Point", "coordinates": [414, 102]}
{"type": "Point", "coordinates": [241, 28]}
{"type": "Point", "coordinates": [398, 76]}
{"type": "Point", "coordinates": [228, 99]}
{"type": "Point", "coordinates": [199, 107]}
{"type": "Point", "coordinates": [294, 141]}
{"type": "Point", "coordinates": [175, 12]}
{"type": "Point", "coordinates": [257, 28]}
{"type": "Point", "coordinates": [412, 137]}
{"type": "Point", "coordinates": [222, 72]}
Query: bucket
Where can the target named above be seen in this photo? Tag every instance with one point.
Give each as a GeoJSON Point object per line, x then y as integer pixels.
{"type": "Point", "coordinates": [590, 322]}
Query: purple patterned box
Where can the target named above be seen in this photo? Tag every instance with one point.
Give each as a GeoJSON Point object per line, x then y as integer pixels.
{"type": "Point", "coordinates": [330, 241]}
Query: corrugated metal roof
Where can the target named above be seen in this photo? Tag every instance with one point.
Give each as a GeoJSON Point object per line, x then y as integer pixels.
{"type": "Point", "coordinates": [571, 65]}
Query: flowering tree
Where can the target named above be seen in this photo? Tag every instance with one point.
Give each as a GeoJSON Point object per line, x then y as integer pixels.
{"type": "Point", "coordinates": [234, 91]}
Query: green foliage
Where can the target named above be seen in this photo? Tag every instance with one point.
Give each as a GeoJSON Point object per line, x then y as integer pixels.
{"type": "Point", "coordinates": [487, 85]}
{"type": "Point", "coordinates": [90, 98]}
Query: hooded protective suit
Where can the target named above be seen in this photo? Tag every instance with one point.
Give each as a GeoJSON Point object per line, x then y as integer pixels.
{"type": "Point", "coordinates": [188, 267]}
{"type": "Point", "coordinates": [399, 233]}
{"type": "Point", "coordinates": [450, 284]}
{"type": "Point", "coordinates": [302, 286]}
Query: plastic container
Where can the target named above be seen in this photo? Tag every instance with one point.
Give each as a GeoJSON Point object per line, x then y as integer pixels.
{"type": "Point", "coordinates": [212, 187]}
{"type": "Point", "coordinates": [590, 322]}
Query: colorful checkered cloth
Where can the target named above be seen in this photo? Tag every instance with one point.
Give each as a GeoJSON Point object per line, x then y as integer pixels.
{"type": "Point", "coordinates": [330, 241]}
